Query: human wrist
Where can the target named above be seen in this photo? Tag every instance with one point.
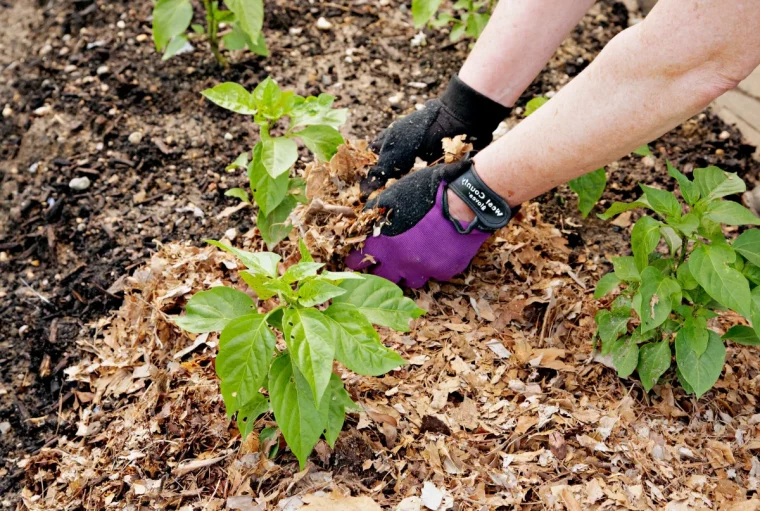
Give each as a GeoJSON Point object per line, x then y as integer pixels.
{"type": "Point", "coordinates": [471, 106]}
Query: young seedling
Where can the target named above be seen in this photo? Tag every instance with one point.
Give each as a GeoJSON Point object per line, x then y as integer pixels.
{"type": "Point", "coordinates": [243, 21]}
{"type": "Point", "coordinates": [467, 17]}
{"type": "Point", "coordinates": [311, 119]}
{"type": "Point", "coordinates": [672, 295]}
{"type": "Point", "coordinates": [294, 378]}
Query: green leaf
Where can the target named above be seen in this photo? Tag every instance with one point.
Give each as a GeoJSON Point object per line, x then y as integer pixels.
{"type": "Point", "coordinates": [249, 412]}
{"type": "Point", "coordinates": [625, 268]}
{"type": "Point", "coordinates": [258, 282]}
{"type": "Point", "coordinates": [301, 270]}
{"type": "Point", "coordinates": [695, 332]}
{"type": "Point", "coordinates": [304, 250]}
{"type": "Point", "coordinates": [278, 155]}
{"type": "Point", "coordinates": [732, 185]}
{"type": "Point", "coordinates": [318, 110]}
{"type": "Point", "coordinates": [340, 401]}
{"type": "Point", "coordinates": [321, 140]}
{"type": "Point", "coordinates": [755, 309]}
{"type": "Point", "coordinates": [297, 188]}
{"type": "Point", "coordinates": [295, 411]}
{"type": "Point", "coordinates": [689, 190]}
{"type": "Point", "coordinates": [672, 239]}
{"type": "Point", "coordinates": [748, 245]}
{"type": "Point", "coordinates": [610, 326]}
{"type": "Point", "coordinates": [752, 273]}
{"type": "Point", "coordinates": [701, 372]}
{"type": "Point", "coordinates": [311, 338]}
{"type": "Point", "coordinates": [657, 298]}
{"type": "Point", "coordinates": [621, 207]}
{"type": "Point", "coordinates": [258, 262]}
{"type": "Point", "coordinates": [625, 356]}
{"type": "Point", "coordinates": [270, 435]}
{"type": "Point", "coordinates": [589, 188]}
{"type": "Point", "coordinates": [457, 30]}
{"type": "Point", "coordinates": [339, 276]}
{"type": "Point", "coordinates": [534, 104]}
{"type": "Point", "coordinates": [198, 29]}
{"type": "Point", "coordinates": [175, 46]}
{"type": "Point", "coordinates": [606, 285]}
{"type": "Point", "coordinates": [358, 345]}
{"type": "Point", "coordinates": [314, 292]}
{"type": "Point", "coordinates": [241, 162]}
{"type": "Point", "coordinates": [212, 310]}
{"type": "Point", "coordinates": [685, 278]}
{"type": "Point", "coordinates": [730, 213]}
{"type": "Point", "coordinates": [275, 226]}
{"type": "Point", "coordinates": [170, 19]}
{"type": "Point", "coordinates": [269, 98]}
{"type": "Point", "coordinates": [654, 360]}
{"type": "Point", "coordinates": [644, 239]}
{"type": "Point", "coordinates": [258, 45]}
{"type": "Point", "coordinates": [238, 193]}
{"type": "Point", "coordinates": [687, 224]}
{"type": "Point", "coordinates": [707, 179]}
{"type": "Point", "coordinates": [643, 151]}
{"type": "Point", "coordinates": [231, 96]}
{"type": "Point", "coordinates": [742, 334]}
{"type": "Point", "coordinates": [476, 23]}
{"type": "Point", "coordinates": [268, 192]}
{"type": "Point", "coordinates": [423, 10]}
{"type": "Point", "coordinates": [662, 201]}
{"type": "Point", "coordinates": [709, 265]}
{"type": "Point", "coordinates": [245, 352]}
{"type": "Point", "coordinates": [381, 301]}
{"type": "Point", "coordinates": [249, 15]}
{"type": "Point", "coordinates": [235, 40]}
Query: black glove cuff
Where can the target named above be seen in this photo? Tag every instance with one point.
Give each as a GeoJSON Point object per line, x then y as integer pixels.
{"type": "Point", "coordinates": [491, 211]}
{"type": "Point", "coordinates": [471, 107]}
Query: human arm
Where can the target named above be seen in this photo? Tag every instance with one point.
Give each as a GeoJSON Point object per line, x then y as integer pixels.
{"type": "Point", "coordinates": [518, 41]}
{"type": "Point", "coordinates": [648, 79]}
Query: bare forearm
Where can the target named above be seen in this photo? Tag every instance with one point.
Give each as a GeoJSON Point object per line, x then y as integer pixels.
{"type": "Point", "coordinates": [646, 81]}
{"type": "Point", "coordinates": [520, 38]}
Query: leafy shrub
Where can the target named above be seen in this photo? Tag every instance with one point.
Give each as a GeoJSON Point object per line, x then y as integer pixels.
{"type": "Point", "coordinates": [173, 18]}
{"type": "Point", "coordinates": [311, 119]}
{"type": "Point", "coordinates": [673, 295]}
{"type": "Point", "coordinates": [307, 398]}
{"type": "Point", "coordinates": [467, 17]}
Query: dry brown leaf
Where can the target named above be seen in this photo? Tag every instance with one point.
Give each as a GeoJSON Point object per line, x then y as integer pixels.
{"type": "Point", "coordinates": [336, 502]}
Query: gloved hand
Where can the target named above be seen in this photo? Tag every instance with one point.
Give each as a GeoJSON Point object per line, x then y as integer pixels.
{"type": "Point", "coordinates": [421, 240]}
{"type": "Point", "coordinates": [461, 110]}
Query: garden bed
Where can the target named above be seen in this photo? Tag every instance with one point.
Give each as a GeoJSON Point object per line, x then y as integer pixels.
{"type": "Point", "coordinates": [501, 404]}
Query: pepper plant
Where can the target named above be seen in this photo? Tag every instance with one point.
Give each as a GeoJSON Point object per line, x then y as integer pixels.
{"type": "Point", "coordinates": [294, 378]}
{"type": "Point", "coordinates": [467, 17]}
{"type": "Point", "coordinates": [243, 20]}
{"type": "Point", "coordinates": [311, 119]}
{"type": "Point", "coordinates": [672, 295]}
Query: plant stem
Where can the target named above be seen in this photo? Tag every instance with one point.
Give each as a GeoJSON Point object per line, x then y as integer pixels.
{"type": "Point", "coordinates": [212, 28]}
{"type": "Point", "coordinates": [682, 255]}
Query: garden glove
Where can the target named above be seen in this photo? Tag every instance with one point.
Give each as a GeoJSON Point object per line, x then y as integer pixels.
{"type": "Point", "coordinates": [461, 110]}
{"type": "Point", "coordinates": [420, 240]}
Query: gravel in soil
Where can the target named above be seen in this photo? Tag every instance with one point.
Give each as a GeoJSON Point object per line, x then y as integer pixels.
{"type": "Point", "coordinates": [86, 98]}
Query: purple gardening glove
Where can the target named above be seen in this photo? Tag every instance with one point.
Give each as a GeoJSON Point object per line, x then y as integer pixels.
{"type": "Point", "coordinates": [421, 240]}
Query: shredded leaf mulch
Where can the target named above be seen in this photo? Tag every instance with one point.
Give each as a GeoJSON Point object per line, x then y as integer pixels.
{"type": "Point", "coordinates": [504, 404]}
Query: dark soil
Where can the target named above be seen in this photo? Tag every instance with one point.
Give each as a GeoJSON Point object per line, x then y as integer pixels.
{"type": "Point", "coordinates": [77, 84]}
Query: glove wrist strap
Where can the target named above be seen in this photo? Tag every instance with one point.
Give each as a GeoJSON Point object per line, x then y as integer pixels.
{"type": "Point", "coordinates": [471, 107]}
{"type": "Point", "coordinates": [491, 211]}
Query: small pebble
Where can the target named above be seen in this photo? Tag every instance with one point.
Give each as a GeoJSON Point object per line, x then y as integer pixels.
{"type": "Point", "coordinates": [23, 329]}
{"type": "Point", "coordinates": [121, 24]}
{"type": "Point", "coordinates": [80, 183]}
{"type": "Point", "coordinates": [720, 152]}
{"type": "Point", "coordinates": [396, 98]}
{"type": "Point", "coordinates": [33, 167]}
{"type": "Point", "coordinates": [70, 68]}
{"type": "Point", "coordinates": [135, 137]}
{"type": "Point", "coordinates": [102, 70]}
{"type": "Point", "coordinates": [45, 50]}
{"type": "Point", "coordinates": [141, 38]}
{"type": "Point", "coordinates": [419, 39]}
{"type": "Point", "coordinates": [295, 30]}
{"type": "Point", "coordinates": [43, 110]}
{"type": "Point", "coordinates": [323, 24]}
{"type": "Point", "coordinates": [228, 136]}
{"type": "Point", "coordinates": [7, 111]}
{"type": "Point", "coordinates": [418, 85]}
{"type": "Point", "coordinates": [724, 135]}
{"type": "Point", "coordinates": [5, 427]}
{"type": "Point", "coordinates": [231, 234]}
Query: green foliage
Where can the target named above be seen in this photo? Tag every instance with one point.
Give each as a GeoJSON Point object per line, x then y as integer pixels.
{"type": "Point", "coordinates": [307, 398]}
{"type": "Point", "coordinates": [467, 17]}
{"type": "Point", "coordinates": [313, 120]}
{"type": "Point", "coordinates": [172, 20]}
{"type": "Point", "coordinates": [667, 299]}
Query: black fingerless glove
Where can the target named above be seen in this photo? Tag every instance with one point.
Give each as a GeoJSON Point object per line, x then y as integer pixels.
{"type": "Point", "coordinates": [460, 110]}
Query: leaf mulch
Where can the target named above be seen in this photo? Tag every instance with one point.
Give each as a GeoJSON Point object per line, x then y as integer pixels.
{"type": "Point", "coordinates": [502, 404]}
